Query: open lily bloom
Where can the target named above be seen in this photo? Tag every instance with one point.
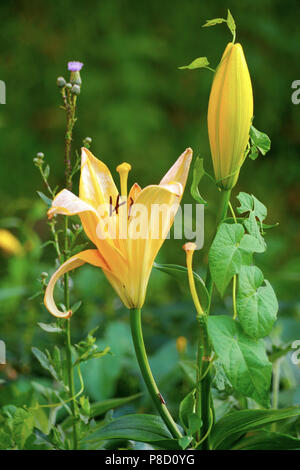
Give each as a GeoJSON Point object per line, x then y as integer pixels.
{"type": "Point", "coordinates": [127, 231]}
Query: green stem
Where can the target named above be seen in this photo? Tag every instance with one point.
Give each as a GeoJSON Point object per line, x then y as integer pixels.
{"type": "Point", "coordinates": [203, 363]}
{"type": "Point", "coordinates": [225, 199]}
{"type": "Point", "coordinates": [275, 388]}
{"type": "Point", "coordinates": [71, 382]}
{"type": "Point", "coordinates": [138, 341]}
{"type": "Point", "coordinates": [206, 399]}
{"type": "Point", "coordinates": [70, 103]}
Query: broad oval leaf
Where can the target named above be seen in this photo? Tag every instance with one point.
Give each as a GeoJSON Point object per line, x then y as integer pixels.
{"type": "Point", "coordinates": [244, 359]}
{"type": "Point", "coordinates": [230, 249]}
{"type": "Point", "coordinates": [257, 304]}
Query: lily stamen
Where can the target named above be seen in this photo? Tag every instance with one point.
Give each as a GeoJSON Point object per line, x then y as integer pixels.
{"type": "Point", "coordinates": [123, 171]}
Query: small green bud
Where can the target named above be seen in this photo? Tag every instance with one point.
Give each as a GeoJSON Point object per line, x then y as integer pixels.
{"type": "Point", "coordinates": [61, 82]}
{"type": "Point", "coordinates": [40, 155]}
{"type": "Point", "coordinates": [69, 86]}
{"type": "Point", "coordinates": [87, 140]}
{"type": "Point", "coordinates": [75, 89]}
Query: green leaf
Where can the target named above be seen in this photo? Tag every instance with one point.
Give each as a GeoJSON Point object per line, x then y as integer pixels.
{"type": "Point", "coordinates": [181, 274]}
{"type": "Point", "coordinates": [200, 62]}
{"type": "Point", "coordinates": [265, 440]}
{"type": "Point", "coordinates": [186, 408]}
{"type": "Point", "coordinates": [50, 327]}
{"type": "Point", "coordinates": [251, 204]}
{"type": "Point", "coordinates": [21, 426]}
{"type": "Point", "coordinates": [257, 304]}
{"type": "Point", "coordinates": [230, 427]}
{"type": "Point", "coordinates": [45, 198]}
{"type": "Point", "coordinates": [101, 407]}
{"type": "Point", "coordinates": [47, 171]}
{"type": "Point", "coordinates": [214, 22]}
{"type": "Point", "coordinates": [260, 140]}
{"type": "Point", "coordinates": [198, 173]}
{"type": "Point", "coordinates": [243, 358]}
{"type": "Point", "coordinates": [140, 428]}
{"type": "Point", "coordinates": [195, 424]}
{"type": "Point", "coordinates": [230, 249]}
{"type": "Point", "coordinates": [45, 362]}
{"type": "Point", "coordinates": [185, 441]}
{"type": "Point", "coordinates": [190, 370]}
{"type": "Point", "coordinates": [231, 23]}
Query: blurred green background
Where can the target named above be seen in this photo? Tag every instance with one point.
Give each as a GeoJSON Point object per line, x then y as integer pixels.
{"type": "Point", "coordinates": [138, 107]}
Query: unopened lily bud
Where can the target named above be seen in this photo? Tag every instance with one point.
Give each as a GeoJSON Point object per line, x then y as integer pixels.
{"type": "Point", "coordinates": [74, 67]}
{"type": "Point", "coordinates": [230, 112]}
{"type": "Point", "coordinates": [61, 82]}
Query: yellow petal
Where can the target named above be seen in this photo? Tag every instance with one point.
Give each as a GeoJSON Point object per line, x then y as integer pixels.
{"type": "Point", "coordinates": [142, 251]}
{"type": "Point", "coordinates": [66, 203]}
{"type": "Point", "coordinates": [179, 171]}
{"type": "Point", "coordinates": [96, 183]}
{"type": "Point", "coordinates": [88, 256]}
{"type": "Point", "coordinates": [9, 243]}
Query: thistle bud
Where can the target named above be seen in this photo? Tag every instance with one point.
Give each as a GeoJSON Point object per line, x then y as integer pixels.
{"type": "Point", "coordinates": [230, 112]}
{"type": "Point", "coordinates": [74, 67]}
{"type": "Point", "coordinates": [61, 82]}
{"type": "Point", "coordinates": [75, 90]}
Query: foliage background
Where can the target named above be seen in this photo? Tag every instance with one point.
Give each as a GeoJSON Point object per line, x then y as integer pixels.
{"type": "Point", "coordinates": [138, 107]}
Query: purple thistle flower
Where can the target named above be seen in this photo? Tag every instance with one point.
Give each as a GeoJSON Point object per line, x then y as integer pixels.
{"type": "Point", "coordinates": [75, 66]}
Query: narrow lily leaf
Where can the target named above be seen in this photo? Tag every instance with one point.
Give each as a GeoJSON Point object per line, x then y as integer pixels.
{"type": "Point", "coordinates": [45, 199]}
{"type": "Point", "coordinates": [141, 428]}
{"type": "Point", "coordinates": [244, 359]}
{"type": "Point", "coordinates": [50, 327]}
{"type": "Point", "coordinates": [101, 407]}
{"type": "Point", "coordinates": [198, 173]}
{"type": "Point", "coordinates": [231, 23]}
{"type": "Point", "coordinates": [214, 22]}
{"type": "Point", "coordinates": [236, 423]}
{"type": "Point", "coordinates": [264, 440]}
{"type": "Point", "coordinates": [257, 304]}
{"type": "Point", "coordinates": [200, 62]}
{"type": "Point", "coordinates": [180, 273]}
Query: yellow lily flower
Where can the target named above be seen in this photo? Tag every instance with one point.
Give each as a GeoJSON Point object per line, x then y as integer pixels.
{"type": "Point", "coordinates": [230, 112]}
{"type": "Point", "coordinates": [112, 222]}
{"type": "Point", "coordinates": [9, 243]}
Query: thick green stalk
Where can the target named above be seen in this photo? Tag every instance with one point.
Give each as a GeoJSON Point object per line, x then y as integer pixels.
{"type": "Point", "coordinates": [206, 400]}
{"type": "Point", "coordinates": [138, 341]}
{"type": "Point", "coordinates": [225, 197]}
